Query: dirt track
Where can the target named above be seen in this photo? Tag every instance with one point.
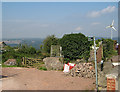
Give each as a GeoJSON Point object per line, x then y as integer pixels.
{"type": "Point", "coordinates": [33, 79]}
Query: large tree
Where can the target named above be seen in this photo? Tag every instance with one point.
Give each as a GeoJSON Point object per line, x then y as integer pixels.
{"type": "Point", "coordinates": [75, 46]}
{"type": "Point", "coordinates": [50, 40]}
{"type": "Point", "coordinates": [108, 48]}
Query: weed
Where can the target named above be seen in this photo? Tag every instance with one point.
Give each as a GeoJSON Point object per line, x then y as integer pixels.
{"type": "Point", "coordinates": [43, 68]}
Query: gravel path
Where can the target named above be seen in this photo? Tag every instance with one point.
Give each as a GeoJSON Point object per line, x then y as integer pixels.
{"type": "Point", "coordinates": [33, 79]}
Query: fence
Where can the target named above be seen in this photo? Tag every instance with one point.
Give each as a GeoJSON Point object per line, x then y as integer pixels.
{"type": "Point", "coordinates": [30, 61]}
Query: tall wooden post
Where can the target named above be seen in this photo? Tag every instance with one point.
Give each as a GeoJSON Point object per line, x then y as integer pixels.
{"type": "Point", "coordinates": [25, 60]}
{"type": "Point", "coordinates": [51, 50]}
{"type": "Point", "coordinates": [60, 51]}
{"type": "Point", "coordinates": [118, 49]}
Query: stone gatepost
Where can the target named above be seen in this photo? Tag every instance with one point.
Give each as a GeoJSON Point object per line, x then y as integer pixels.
{"type": "Point", "coordinates": [112, 82]}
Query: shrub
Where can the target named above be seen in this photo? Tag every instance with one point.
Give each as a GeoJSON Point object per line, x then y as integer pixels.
{"type": "Point", "coordinates": [43, 68]}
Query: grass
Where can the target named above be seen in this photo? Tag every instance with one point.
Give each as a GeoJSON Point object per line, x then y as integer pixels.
{"type": "Point", "coordinates": [43, 68]}
{"type": "Point", "coordinates": [9, 65]}
{"type": "Point", "coordinates": [40, 66]}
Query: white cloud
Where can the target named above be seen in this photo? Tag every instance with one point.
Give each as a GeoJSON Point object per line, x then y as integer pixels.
{"type": "Point", "coordinates": [78, 28]}
{"type": "Point", "coordinates": [109, 9]}
{"type": "Point", "coordinates": [95, 23]}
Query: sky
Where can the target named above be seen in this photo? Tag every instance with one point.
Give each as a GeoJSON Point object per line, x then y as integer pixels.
{"type": "Point", "coordinates": [40, 19]}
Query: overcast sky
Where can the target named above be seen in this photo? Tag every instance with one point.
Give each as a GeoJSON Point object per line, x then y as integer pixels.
{"type": "Point", "coordinates": [40, 19]}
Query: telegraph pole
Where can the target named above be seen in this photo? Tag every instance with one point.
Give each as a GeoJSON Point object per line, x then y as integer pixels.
{"type": "Point", "coordinates": [95, 63]}
{"type": "Point", "coordinates": [93, 39]}
{"type": "Point", "coordinates": [111, 34]}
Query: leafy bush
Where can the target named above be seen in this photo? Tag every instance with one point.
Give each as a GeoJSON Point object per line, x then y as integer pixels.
{"type": "Point", "coordinates": [75, 46]}
{"type": "Point", "coordinates": [108, 48]}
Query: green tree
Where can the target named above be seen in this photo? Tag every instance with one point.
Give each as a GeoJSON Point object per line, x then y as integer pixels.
{"type": "Point", "coordinates": [8, 54]}
{"type": "Point", "coordinates": [75, 46]}
{"type": "Point", "coordinates": [108, 47]}
{"type": "Point", "coordinates": [24, 49]}
{"type": "Point", "coordinates": [50, 40]}
{"type": "Point", "coordinates": [32, 50]}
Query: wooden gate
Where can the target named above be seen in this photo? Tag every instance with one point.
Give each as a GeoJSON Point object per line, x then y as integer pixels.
{"type": "Point", "coordinates": [30, 61]}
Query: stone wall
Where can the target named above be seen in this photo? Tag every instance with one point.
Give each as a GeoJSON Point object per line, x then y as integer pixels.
{"type": "Point", "coordinates": [99, 54]}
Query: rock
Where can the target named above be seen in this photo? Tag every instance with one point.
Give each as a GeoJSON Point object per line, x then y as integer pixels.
{"type": "Point", "coordinates": [53, 63]}
{"type": "Point", "coordinates": [83, 70]}
{"type": "Point", "coordinates": [10, 62]}
{"type": "Point", "coordinates": [78, 60]}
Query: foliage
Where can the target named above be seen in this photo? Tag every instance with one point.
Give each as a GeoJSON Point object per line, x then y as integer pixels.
{"type": "Point", "coordinates": [55, 50]}
{"type": "Point", "coordinates": [9, 65]}
{"type": "Point", "coordinates": [39, 66]}
{"type": "Point", "coordinates": [75, 46]}
{"type": "Point", "coordinates": [27, 49]}
{"type": "Point", "coordinates": [32, 50]}
{"type": "Point", "coordinates": [50, 40]}
{"type": "Point", "coordinates": [108, 48]}
{"type": "Point", "coordinates": [9, 54]}
{"type": "Point", "coordinates": [43, 68]}
{"type": "Point", "coordinates": [66, 60]}
{"type": "Point", "coordinates": [23, 51]}
{"type": "Point", "coordinates": [97, 42]}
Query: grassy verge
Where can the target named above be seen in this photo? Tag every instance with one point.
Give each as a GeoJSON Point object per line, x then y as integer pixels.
{"type": "Point", "coordinates": [40, 66]}
{"type": "Point", "coordinates": [43, 68]}
{"type": "Point", "coordinates": [8, 65]}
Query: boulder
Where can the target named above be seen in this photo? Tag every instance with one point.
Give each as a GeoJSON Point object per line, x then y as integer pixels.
{"type": "Point", "coordinates": [10, 62]}
{"type": "Point", "coordinates": [53, 63]}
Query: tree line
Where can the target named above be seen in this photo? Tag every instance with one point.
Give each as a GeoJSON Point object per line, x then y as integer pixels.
{"type": "Point", "coordinates": [74, 46]}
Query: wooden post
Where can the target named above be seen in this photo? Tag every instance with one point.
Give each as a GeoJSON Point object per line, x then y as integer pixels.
{"type": "Point", "coordinates": [51, 50]}
{"type": "Point", "coordinates": [60, 51]}
{"type": "Point", "coordinates": [23, 61]}
{"type": "Point", "coordinates": [118, 49]}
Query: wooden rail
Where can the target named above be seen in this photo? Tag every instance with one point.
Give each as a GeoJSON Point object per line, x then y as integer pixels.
{"type": "Point", "coordinates": [30, 61]}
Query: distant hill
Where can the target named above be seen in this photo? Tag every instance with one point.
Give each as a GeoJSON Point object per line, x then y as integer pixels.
{"type": "Point", "coordinates": [115, 38]}
{"type": "Point", "coordinates": [35, 42]}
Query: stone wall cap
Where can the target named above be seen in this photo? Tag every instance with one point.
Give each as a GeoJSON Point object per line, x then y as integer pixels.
{"type": "Point", "coordinates": [116, 63]}
{"type": "Point", "coordinates": [113, 75]}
